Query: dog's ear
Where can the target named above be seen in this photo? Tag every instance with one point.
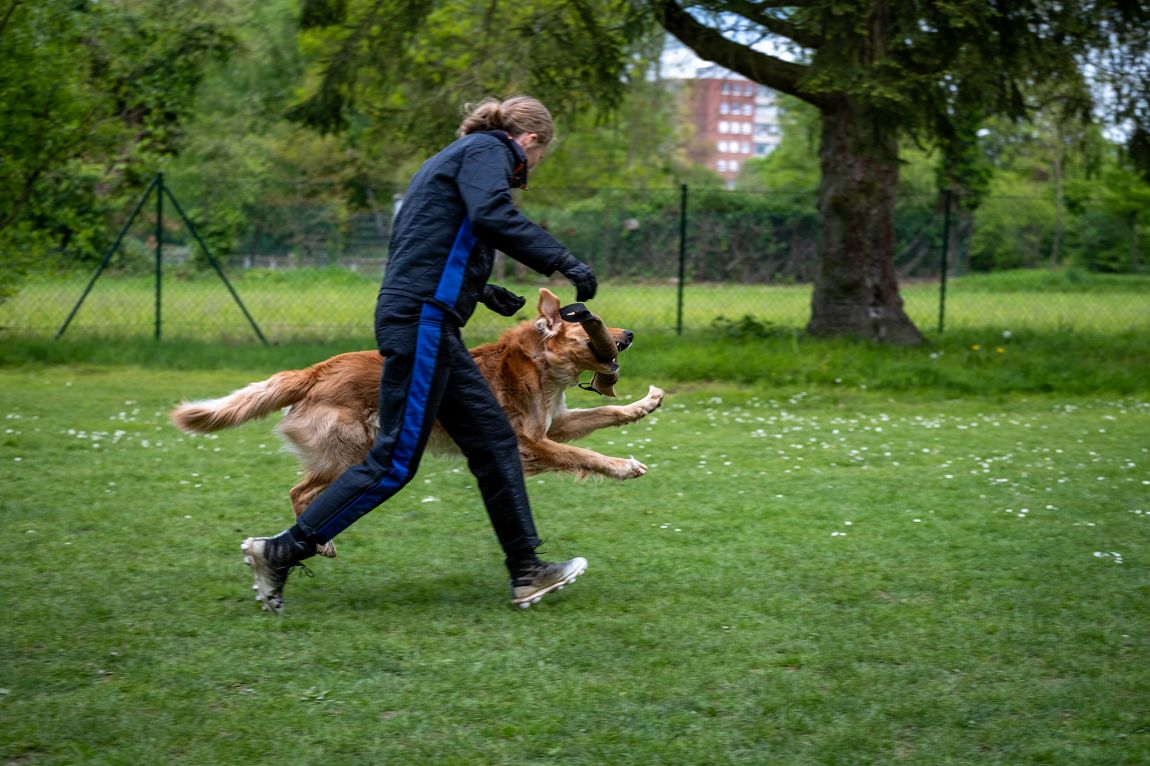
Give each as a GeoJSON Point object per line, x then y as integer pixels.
{"type": "Point", "coordinates": [549, 309]}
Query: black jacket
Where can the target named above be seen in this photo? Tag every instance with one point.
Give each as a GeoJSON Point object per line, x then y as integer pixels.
{"type": "Point", "coordinates": [456, 213]}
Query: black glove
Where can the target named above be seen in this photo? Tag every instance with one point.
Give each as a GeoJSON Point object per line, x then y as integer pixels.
{"type": "Point", "coordinates": [501, 300]}
{"type": "Point", "coordinates": [578, 274]}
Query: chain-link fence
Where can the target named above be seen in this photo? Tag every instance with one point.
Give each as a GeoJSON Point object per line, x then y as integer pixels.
{"type": "Point", "coordinates": [668, 260]}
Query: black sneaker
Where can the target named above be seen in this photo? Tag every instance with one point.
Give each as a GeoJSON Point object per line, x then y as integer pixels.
{"type": "Point", "coordinates": [542, 578]}
{"type": "Point", "coordinates": [271, 560]}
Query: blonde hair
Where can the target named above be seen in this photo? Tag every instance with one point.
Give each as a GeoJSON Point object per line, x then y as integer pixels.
{"type": "Point", "coordinates": [516, 115]}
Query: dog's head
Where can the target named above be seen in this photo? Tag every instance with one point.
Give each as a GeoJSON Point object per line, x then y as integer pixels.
{"type": "Point", "coordinates": [569, 342]}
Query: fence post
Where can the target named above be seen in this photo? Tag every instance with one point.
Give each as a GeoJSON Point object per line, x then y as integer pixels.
{"type": "Point", "coordinates": [682, 256]}
{"type": "Point", "coordinates": [159, 249]}
{"type": "Point", "coordinates": [944, 266]}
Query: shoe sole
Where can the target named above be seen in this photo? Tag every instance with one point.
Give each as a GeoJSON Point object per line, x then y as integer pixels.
{"type": "Point", "coordinates": [269, 602]}
{"type": "Point", "coordinates": [534, 598]}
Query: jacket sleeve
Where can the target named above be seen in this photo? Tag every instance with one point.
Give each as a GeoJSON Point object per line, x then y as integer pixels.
{"type": "Point", "coordinates": [483, 184]}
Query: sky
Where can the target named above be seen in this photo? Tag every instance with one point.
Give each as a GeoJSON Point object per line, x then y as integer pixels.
{"type": "Point", "coordinates": [679, 61]}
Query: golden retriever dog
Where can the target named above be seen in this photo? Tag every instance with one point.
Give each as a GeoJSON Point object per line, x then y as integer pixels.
{"type": "Point", "coordinates": [332, 415]}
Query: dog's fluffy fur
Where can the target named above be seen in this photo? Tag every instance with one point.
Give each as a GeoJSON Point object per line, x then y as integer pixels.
{"type": "Point", "coordinates": [333, 415]}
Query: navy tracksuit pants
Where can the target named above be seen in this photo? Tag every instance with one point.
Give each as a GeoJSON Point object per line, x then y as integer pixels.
{"type": "Point", "coordinates": [429, 374]}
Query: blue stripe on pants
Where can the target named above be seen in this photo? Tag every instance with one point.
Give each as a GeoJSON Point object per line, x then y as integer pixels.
{"type": "Point", "coordinates": [407, 444]}
{"type": "Point", "coordinates": [405, 451]}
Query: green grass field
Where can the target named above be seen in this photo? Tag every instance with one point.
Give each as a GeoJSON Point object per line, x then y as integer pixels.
{"type": "Point", "coordinates": [842, 554]}
{"type": "Point", "coordinates": [323, 305]}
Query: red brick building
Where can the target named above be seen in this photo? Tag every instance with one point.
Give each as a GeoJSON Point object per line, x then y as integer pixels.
{"type": "Point", "coordinates": [734, 120]}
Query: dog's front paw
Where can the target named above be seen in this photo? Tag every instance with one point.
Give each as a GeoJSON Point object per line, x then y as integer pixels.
{"type": "Point", "coordinates": [630, 469]}
{"type": "Point", "coordinates": [654, 398]}
{"type": "Point", "coordinates": [645, 406]}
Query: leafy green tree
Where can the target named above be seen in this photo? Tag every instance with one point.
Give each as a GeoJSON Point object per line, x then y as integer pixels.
{"type": "Point", "coordinates": [92, 96]}
{"type": "Point", "coordinates": [398, 71]}
{"type": "Point", "coordinates": [1111, 230]}
{"type": "Point", "coordinates": [242, 162]}
{"type": "Point", "coordinates": [1060, 196]}
{"type": "Point", "coordinates": [878, 72]}
{"type": "Point", "coordinates": [635, 146]}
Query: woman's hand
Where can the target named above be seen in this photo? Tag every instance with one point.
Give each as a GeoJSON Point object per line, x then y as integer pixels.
{"type": "Point", "coordinates": [501, 300]}
{"type": "Point", "coordinates": [578, 274]}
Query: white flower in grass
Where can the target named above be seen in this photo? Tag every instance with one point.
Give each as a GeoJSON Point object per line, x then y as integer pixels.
{"type": "Point", "coordinates": [430, 499]}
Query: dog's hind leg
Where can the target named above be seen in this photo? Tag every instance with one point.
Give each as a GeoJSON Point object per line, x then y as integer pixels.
{"type": "Point", "coordinates": [301, 496]}
{"type": "Point", "coordinates": [573, 424]}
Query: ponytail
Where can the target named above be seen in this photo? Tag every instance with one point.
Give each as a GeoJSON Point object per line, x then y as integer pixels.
{"type": "Point", "coordinates": [517, 115]}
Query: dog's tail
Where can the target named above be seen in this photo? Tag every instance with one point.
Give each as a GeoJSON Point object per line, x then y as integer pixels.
{"type": "Point", "coordinates": [254, 400]}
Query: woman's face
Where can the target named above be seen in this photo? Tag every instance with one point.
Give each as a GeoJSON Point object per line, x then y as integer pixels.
{"type": "Point", "coordinates": [532, 148]}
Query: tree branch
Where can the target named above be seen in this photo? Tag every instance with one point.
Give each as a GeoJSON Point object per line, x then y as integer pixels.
{"type": "Point", "coordinates": [754, 11]}
{"type": "Point", "coordinates": [708, 44]}
{"type": "Point", "coordinates": [8, 16]}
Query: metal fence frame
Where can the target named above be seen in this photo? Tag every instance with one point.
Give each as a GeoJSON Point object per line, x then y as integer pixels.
{"type": "Point", "coordinates": [711, 232]}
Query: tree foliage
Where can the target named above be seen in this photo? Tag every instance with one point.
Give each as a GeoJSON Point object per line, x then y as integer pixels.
{"type": "Point", "coordinates": [403, 68]}
{"type": "Point", "coordinates": [92, 95]}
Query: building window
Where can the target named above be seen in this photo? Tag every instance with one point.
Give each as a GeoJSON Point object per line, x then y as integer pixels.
{"type": "Point", "coordinates": [724, 108]}
{"type": "Point", "coordinates": [747, 127]}
{"type": "Point", "coordinates": [746, 147]}
{"type": "Point", "coordinates": [733, 166]}
{"type": "Point", "coordinates": [721, 166]}
{"type": "Point", "coordinates": [724, 127]}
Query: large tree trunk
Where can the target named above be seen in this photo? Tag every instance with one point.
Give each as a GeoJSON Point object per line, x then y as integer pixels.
{"type": "Point", "coordinates": [856, 291]}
